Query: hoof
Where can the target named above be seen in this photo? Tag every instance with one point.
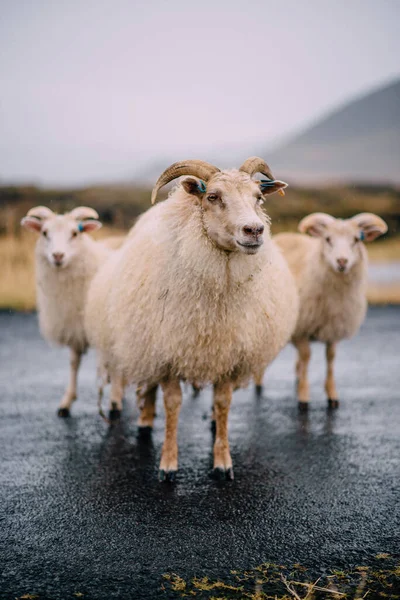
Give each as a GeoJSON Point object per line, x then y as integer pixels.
{"type": "Point", "coordinates": [145, 431]}
{"type": "Point", "coordinates": [63, 412]}
{"type": "Point", "coordinates": [303, 407]}
{"type": "Point", "coordinates": [167, 476]}
{"type": "Point", "coordinates": [333, 403]}
{"type": "Point", "coordinates": [221, 474]}
{"type": "Point", "coordinates": [259, 390]}
{"type": "Point", "coordinates": [114, 414]}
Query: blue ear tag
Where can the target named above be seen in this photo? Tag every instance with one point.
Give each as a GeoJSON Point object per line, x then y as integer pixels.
{"type": "Point", "coordinates": [201, 186]}
{"type": "Point", "coordinates": [362, 235]}
{"type": "Point", "coordinates": [81, 227]}
{"type": "Point", "coordinates": [267, 183]}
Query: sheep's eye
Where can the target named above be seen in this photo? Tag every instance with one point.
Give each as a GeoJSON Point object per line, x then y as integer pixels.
{"type": "Point", "coordinates": [74, 233]}
{"type": "Point", "coordinates": [213, 197]}
{"type": "Point", "coordinates": [260, 200]}
{"type": "Point", "coordinates": [44, 234]}
{"type": "Point", "coordinates": [356, 239]}
{"type": "Point", "coordinates": [329, 241]}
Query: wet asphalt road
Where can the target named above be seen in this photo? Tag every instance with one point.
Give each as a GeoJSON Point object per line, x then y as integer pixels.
{"type": "Point", "coordinates": [82, 511]}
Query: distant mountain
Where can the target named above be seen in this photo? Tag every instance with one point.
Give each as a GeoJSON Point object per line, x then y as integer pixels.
{"type": "Point", "coordinates": [358, 142]}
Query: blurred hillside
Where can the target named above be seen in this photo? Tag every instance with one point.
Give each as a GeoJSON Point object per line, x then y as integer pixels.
{"type": "Point", "coordinates": [358, 142]}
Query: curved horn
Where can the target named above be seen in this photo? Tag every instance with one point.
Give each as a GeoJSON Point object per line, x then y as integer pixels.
{"type": "Point", "coordinates": [80, 213]}
{"type": "Point", "coordinates": [371, 226]}
{"type": "Point", "coordinates": [368, 220]}
{"type": "Point", "coordinates": [254, 165]}
{"type": "Point", "coordinates": [40, 212]}
{"type": "Point", "coordinates": [315, 223]}
{"type": "Point", "coordinates": [198, 168]}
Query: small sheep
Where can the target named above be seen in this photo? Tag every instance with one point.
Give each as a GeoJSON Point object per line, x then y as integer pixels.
{"type": "Point", "coordinates": [330, 269]}
{"type": "Point", "coordinates": [199, 292]}
{"type": "Point", "coordinates": [66, 261]}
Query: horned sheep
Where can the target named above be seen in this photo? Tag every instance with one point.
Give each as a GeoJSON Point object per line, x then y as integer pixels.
{"type": "Point", "coordinates": [199, 292]}
{"type": "Point", "coordinates": [66, 259]}
{"type": "Point", "coordinates": [329, 262]}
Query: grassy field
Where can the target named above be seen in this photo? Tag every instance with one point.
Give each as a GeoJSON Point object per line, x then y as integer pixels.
{"type": "Point", "coordinates": [17, 277]}
{"type": "Point", "coordinates": [119, 206]}
{"type": "Point", "coordinates": [17, 273]}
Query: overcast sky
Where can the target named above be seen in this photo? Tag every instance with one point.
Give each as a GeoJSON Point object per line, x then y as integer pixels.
{"type": "Point", "coordinates": [93, 90]}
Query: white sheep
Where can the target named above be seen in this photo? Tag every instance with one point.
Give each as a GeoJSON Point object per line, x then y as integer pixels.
{"type": "Point", "coordinates": [330, 268]}
{"type": "Point", "coordinates": [199, 292]}
{"type": "Point", "coordinates": [66, 260]}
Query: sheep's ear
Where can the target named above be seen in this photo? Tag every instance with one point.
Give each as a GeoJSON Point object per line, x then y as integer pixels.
{"type": "Point", "coordinates": [270, 186]}
{"type": "Point", "coordinates": [315, 224]}
{"type": "Point", "coordinates": [89, 225]}
{"type": "Point", "coordinates": [194, 186]}
{"type": "Point", "coordinates": [32, 223]}
{"type": "Point", "coordinates": [371, 226]}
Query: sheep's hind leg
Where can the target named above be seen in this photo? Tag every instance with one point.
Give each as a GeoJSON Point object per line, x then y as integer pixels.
{"type": "Point", "coordinates": [297, 370]}
{"type": "Point", "coordinates": [222, 457]}
{"type": "Point", "coordinates": [212, 422]}
{"type": "Point", "coordinates": [303, 387]}
{"type": "Point", "coordinates": [172, 402]}
{"type": "Point", "coordinates": [258, 380]}
{"type": "Point", "coordinates": [116, 395]}
{"type": "Point", "coordinates": [196, 390]}
{"type": "Point", "coordinates": [147, 406]}
{"type": "Point", "coordinates": [330, 387]}
{"type": "Point", "coordinates": [70, 392]}
{"type": "Point", "coordinates": [103, 377]}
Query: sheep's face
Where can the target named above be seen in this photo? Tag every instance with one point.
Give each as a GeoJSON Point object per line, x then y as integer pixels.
{"type": "Point", "coordinates": [59, 241]}
{"type": "Point", "coordinates": [341, 246]}
{"type": "Point", "coordinates": [60, 237]}
{"type": "Point", "coordinates": [231, 210]}
{"type": "Point", "coordinates": [341, 240]}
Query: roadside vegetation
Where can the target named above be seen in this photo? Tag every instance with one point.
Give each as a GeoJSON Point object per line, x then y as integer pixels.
{"type": "Point", "coordinates": [380, 579]}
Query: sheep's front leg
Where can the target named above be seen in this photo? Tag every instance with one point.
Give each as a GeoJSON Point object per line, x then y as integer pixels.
{"type": "Point", "coordinates": [147, 406]}
{"type": "Point", "coordinates": [172, 403]}
{"type": "Point", "coordinates": [303, 387]}
{"type": "Point", "coordinates": [70, 392]}
{"type": "Point", "coordinates": [116, 395]}
{"type": "Point", "coordinates": [330, 386]}
{"type": "Point", "coordinates": [222, 456]}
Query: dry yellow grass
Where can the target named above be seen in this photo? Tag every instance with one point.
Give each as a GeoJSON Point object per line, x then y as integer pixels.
{"type": "Point", "coordinates": [268, 580]}
{"type": "Point", "coordinates": [386, 250]}
{"type": "Point", "coordinates": [17, 277]}
{"type": "Point", "coordinates": [17, 272]}
{"type": "Point", "coordinates": [384, 293]}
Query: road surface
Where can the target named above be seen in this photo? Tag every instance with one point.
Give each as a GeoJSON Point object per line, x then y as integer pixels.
{"type": "Point", "coordinates": [82, 511]}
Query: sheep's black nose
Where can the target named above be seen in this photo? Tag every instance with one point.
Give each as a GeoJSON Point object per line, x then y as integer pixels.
{"type": "Point", "coordinates": [254, 230]}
